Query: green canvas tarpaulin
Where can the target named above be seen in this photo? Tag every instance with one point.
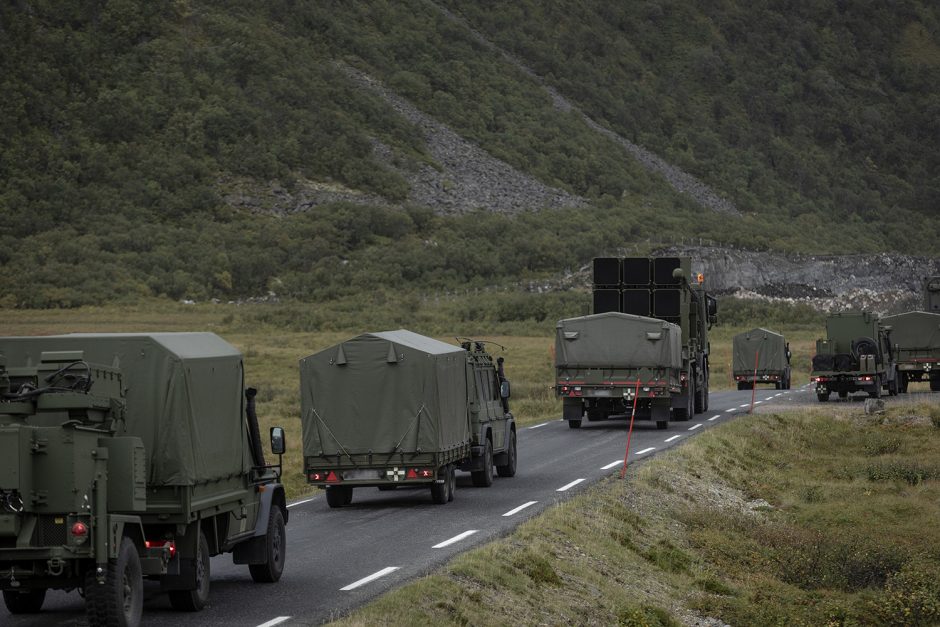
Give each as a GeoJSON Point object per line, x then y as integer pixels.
{"type": "Point", "coordinates": [382, 393]}
{"type": "Point", "coordinates": [915, 332]}
{"type": "Point", "coordinates": [769, 348]}
{"type": "Point", "coordinates": [617, 340]}
{"type": "Point", "coordinates": [184, 397]}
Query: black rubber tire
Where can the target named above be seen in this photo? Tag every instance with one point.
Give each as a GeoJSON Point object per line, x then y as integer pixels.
{"type": "Point", "coordinates": [195, 599]}
{"type": "Point", "coordinates": [778, 385]}
{"type": "Point", "coordinates": [742, 385]}
{"type": "Point", "coordinates": [893, 385]}
{"type": "Point", "coordinates": [903, 382]}
{"type": "Point", "coordinates": [686, 413]}
{"type": "Point", "coordinates": [699, 400]}
{"type": "Point", "coordinates": [509, 469]}
{"type": "Point", "coordinates": [440, 492]}
{"type": "Point", "coordinates": [843, 395]}
{"type": "Point", "coordinates": [706, 394]}
{"type": "Point", "coordinates": [26, 602]}
{"type": "Point", "coordinates": [484, 478]}
{"type": "Point", "coordinates": [935, 385]}
{"type": "Point", "coordinates": [338, 495]}
{"type": "Point", "coordinates": [876, 387]}
{"type": "Point", "coordinates": [662, 424]}
{"type": "Point", "coordinates": [452, 478]}
{"type": "Point", "coordinates": [276, 548]}
{"type": "Point", "coordinates": [119, 601]}
{"type": "Point", "coordinates": [574, 424]}
{"type": "Point", "coordinates": [822, 397]}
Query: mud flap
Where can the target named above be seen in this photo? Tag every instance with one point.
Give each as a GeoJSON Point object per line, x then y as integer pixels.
{"type": "Point", "coordinates": [572, 409]}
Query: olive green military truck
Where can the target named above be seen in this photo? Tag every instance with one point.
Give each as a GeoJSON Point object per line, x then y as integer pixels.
{"type": "Point", "coordinates": [916, 339]}
{"type": "Point", "coordinates": [760, 356]}
{"type": "Point", "coordinates": [126, 457]}
{"type": "Point", "coordinates": [609, 363]}
{"type": "Point", "coordinates": [397, 409]}
{"type": "Point", "coordinates": [856, 355]}
{"type": "Point", "coordinates": [932, 294]}
{"type": "Point", "coordinates": [663, 288]}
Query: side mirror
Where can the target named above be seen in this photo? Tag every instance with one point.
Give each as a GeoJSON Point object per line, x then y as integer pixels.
{"type": "Point", "coordinates": [504, 389]}
{"type": "Point", "coordinates": [278, 444]}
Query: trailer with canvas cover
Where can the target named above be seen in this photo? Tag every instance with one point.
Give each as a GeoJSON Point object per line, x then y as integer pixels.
{"type": "Point", "coordinates": [760, 356]}
{"type": "Point", "coordinates": [916, 339]}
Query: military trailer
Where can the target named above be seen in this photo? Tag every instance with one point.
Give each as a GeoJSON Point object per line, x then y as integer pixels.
{"type": "Point", "coordinates": [856, 356]}
{"type": "Point", "coordinates": [760, 356]}
{"type": "Point", "coordinates": [605, 364]}
{"type": "Point", "coordinates": [916, 339]}
{"type": "Point", "coordinates": [130, 456]}
{"type": "Point", "coordinates": [664, 288]}
{"type": "Point", "coordinates": [397, 409]}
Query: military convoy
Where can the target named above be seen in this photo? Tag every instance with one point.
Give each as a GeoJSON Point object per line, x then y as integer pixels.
{"type": "Point", "coordinates": [397, 409]}
{"type": "Point", "coordinates": [760, 356]}
{"type": "Point", "coordinates": [857, 354]}
{"type": "Point", "coordinates": [131, 456]}
{"type": "Point", "coordinates": [651, 291]}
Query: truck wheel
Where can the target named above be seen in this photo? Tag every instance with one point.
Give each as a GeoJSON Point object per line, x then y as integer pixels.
{"type": "Point", "coordinates": [685, 413]}
{"type": "Point", "coordinates": [195, 599]}
{"type": "Point", "coordinates": [822, 397]}
{"type": "Point", "coordinates": [903, 382]}
{"type": "Point", "coordinates": [275, 541]}
{"type": "Point", "coordinates": [662, 424]}
{"type": "Point", "coordinates": [574, 424]}
{"type": "Point", "coordinates": [338, 495]}
{"type": "Point", "coordinates": [843, 395]}
{"type": "Point", "coordinates": [28, 602]}
{"type": "Point", "coordinates": [509, 470]}
{"type": "Point", "coordinates": [119, 601]}
{"type": "Point", "coordinates": [484, 478]}
{"type": "Point", "coordinates": [452, 478]}
{"type": "Point", "coordinates": [440, 492]}
{"type": "Point", "coordinates": [934, 385]}
{"type": "Point", "coordinates": [893, 385]}
{"type": "Point", "coordinates": [876, 387]}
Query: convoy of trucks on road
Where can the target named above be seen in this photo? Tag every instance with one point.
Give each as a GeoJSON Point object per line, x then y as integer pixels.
{"type": "Point", "coordinates": [126, 457]}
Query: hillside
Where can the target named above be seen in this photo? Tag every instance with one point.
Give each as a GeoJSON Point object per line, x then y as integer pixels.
{"type": "Point", "coordinates": [198, 149]}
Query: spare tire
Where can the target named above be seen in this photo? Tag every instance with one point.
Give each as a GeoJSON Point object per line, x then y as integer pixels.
{"type": "Point", "coordinates": [822, 362]}
{"type": "Point", "coordinates": [844, 362]}
{"type": "Point", "coordinates": [864, 346]}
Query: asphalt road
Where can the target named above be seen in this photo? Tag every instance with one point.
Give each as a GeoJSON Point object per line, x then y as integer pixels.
{"type": "Point", "coordinates": [340, 559]}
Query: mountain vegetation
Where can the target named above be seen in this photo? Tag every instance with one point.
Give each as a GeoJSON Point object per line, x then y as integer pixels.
{"type": "Point", "coordinates": [127, 123]}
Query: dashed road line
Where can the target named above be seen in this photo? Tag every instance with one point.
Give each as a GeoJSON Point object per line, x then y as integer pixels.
{"type": "Point", "coordinates": [569, 485]}
{"type": "Point", "coordinates": [368, 579]}
{"type": "Point", "coordinates": [275, 621]}
{"type": "Point", "coordinates": [675, 437]}
{"type": "Point", "coordinates": [744, 405]}
{"type": "Point", "coordinates": [758, 402]}
{"type": "Point", "coordinates": [289, 505]}
{"type": "Point", "coordinates": [715, 417]}
{"type": "Point", "coordinates": [612, 464]}
{"type": "Point", "coordinates": [537, 426]}
{"type": "Point", "coordinates": [516, 510]}
{"type": "Point", "coordinates": [456, 538]}
{"type": "Point", "coordinates": [646, 450]}
{"type": "Point", "coordinates": [732, 410]}
{"type": "Point", "coordinates": [694, 427]}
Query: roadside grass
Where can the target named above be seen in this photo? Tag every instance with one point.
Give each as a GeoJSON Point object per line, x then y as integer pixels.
{"type": "Point", "coordinates": [772, 519]}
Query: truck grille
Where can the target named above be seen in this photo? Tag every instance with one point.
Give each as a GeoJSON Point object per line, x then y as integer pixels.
{"type": "Point", "coordinates": [49, 532]}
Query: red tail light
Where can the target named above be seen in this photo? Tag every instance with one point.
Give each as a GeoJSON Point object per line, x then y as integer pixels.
{"type": "Point", "coordinates": [157, 544]}
{"type": "Point", "coordinates": [79, 531]}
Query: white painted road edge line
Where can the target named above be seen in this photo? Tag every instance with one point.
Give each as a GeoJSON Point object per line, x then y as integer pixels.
{"type": "Point", "coordinates": [612, 464]}
{"type": "Point", "coordinates": [569, 485]}
{"type": "Point", "coordinates": [715, 417]}
{"type": "Point", "coordinates": [694, 427]}
{"type": "Point", "coordinates": [520, 508]}
{"type": "Point", "coordinates": [290, 505]}
{"type": "Point", "coordinates": [371, 577]}
{"type": "Point", "coordinates": [275, 621]}
{"type": "Point", "coordinates": [675, 437]}
{"type": "Point", "coordinates": [646, 450]}
{"type": "Point", "coordinates": [457, 538]}
{"type": "Point", "coordinates": [537, 426]}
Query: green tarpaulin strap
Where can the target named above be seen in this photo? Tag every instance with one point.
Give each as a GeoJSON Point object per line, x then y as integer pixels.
{"type": "Point", "coordinates": [343, 448]}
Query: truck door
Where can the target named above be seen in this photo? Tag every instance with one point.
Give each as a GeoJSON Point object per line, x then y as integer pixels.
{"type": "Point", "coordinates": [490, 405]}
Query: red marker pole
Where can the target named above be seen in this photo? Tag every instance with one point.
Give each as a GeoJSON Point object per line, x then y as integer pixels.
{"type": "Point", "coordinates": [636, 396]}
{"type": "Point", "coordinates": [754, 383]}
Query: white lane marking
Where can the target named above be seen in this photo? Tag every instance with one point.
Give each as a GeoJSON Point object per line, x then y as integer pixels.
{"type": "Point", "coordinates": [456, 538]}
{"type": "Point", "coordinates": [612, 464]}
{"type": "Point", "coordinates": [520, 508]}
{"type": "Point", "coordinates": [675, 437]}
{"type": "Point", "coordinates": [646, 450]}
{"type": "Point", "coordinates": [730, 411]}
{"type": "Point", "coordinates": [715, 417]}
{"type": "Point", "coordinates": [290, 505]}
{"type": "Point", "coordinates": [744, 405]}
{"type": "Point", "coordinates": [537, 426]}
{"type": "Point", "coordinates": [694, 427]}
{"type": "Point", "coordinates": [275, 621]}
{"type": "Point", "coordinates": [569, 485]}
{"type": "Point", "coordinates": [758, 402]}
{"type": "Point", "coordinates": [371, 577]}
